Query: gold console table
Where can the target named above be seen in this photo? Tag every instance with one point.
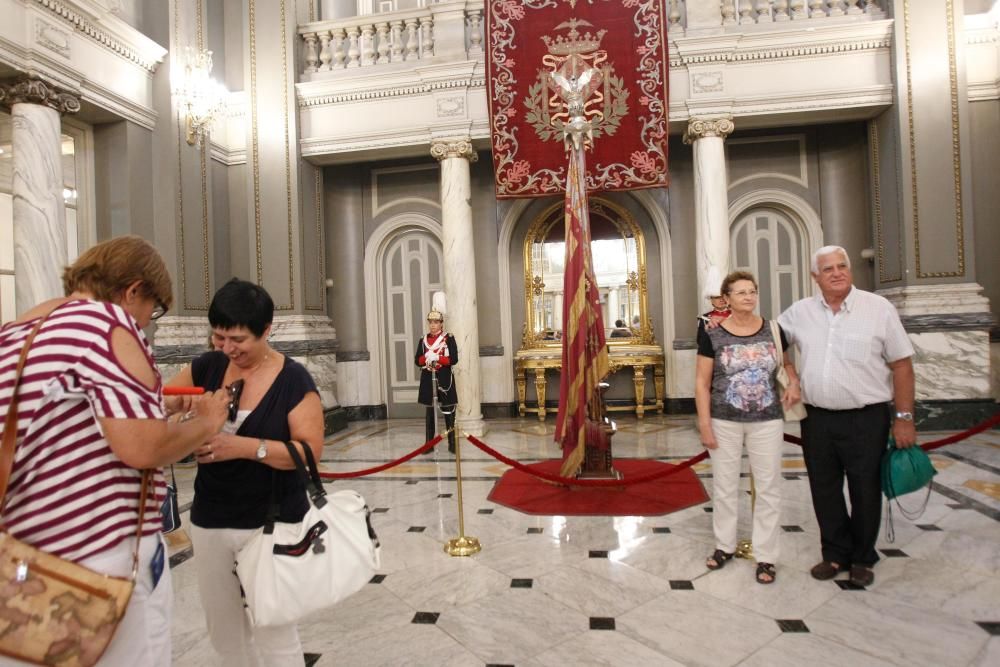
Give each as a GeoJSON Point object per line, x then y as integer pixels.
{"type": "Point", "coordinates": [636, 357]}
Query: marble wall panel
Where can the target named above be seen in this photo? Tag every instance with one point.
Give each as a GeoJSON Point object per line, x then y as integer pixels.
{"type": "Point", "coordinates": [952, 364]}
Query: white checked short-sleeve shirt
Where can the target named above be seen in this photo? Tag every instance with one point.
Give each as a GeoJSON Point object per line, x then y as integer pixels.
{"type": "Point", "coordinates": [844, 356]}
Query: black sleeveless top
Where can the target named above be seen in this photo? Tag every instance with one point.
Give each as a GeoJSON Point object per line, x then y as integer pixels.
{"type": "Point", "coordinates": [235, 494]}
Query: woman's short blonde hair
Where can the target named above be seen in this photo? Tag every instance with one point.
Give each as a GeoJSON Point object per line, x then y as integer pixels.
{"type": "Point", "coordinates": [108, 268]}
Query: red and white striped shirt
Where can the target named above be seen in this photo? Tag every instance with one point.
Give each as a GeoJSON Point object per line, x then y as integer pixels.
{"type": "Point", "coordinates": [68, 494]}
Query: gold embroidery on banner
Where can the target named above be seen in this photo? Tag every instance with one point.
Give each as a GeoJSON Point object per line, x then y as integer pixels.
{"type": "Point", "coordinates": [578, 91]}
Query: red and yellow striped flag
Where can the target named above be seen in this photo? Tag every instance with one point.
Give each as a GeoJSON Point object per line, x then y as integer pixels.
{"type": "Point", "coordinates": [584, 351]}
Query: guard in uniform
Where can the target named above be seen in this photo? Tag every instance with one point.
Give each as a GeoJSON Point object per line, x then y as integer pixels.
{"type": "Point", "coordinates": [437, 353]}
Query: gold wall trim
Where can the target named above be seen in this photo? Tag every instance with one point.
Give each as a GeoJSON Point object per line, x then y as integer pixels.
{"type": "Point", "coordinates": [206, 261]}
{"type": "Point", "coordinates": [955, 142]}
{"type": "Point", "coordinates": [255, 150]}
{"type": "Point", "coordinates": [873, 140]}
{"type": "Point", "coordinates": [320, 245]}
{"type": "Point", "coordinates": [180, 184]}
{"type": "Point", "coordinates": [288, 161]}
{"type": "Point", "coordinates": [255, 140]}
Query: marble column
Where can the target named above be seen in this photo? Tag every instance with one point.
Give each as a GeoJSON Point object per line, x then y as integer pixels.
{"type": "Point", "coordinates": [707, 136]}
{"type": "Point", "coordinates": [462, 318]}
{"type": "Point", "coordinates": [39, 210]}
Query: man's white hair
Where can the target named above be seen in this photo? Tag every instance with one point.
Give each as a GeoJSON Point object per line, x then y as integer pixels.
{"type": "Point", "coordinates": [828, 250]}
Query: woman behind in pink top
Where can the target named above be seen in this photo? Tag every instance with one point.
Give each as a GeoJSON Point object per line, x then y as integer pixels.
{"type": "Point", "coordinates": [90, 419]}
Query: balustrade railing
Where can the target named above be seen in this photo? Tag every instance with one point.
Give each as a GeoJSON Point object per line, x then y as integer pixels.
{"type": "Point", "coordinates": [457, 28]}
{"type": "Point", "coordinates": [749, 12]}
{"type": "Point", "coordinates": [393, 37]}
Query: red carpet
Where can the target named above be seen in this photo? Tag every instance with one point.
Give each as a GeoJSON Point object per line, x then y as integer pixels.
{"type": "Point", "coordinates": [528, 494]}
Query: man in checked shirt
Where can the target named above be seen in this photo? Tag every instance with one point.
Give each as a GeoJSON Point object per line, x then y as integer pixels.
{"type": "Point", "coordinates": [857, 381]}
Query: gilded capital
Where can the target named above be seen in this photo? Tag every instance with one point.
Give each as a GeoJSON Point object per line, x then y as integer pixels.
{"type": "Point", "coordinates": [453, 148]}
{"type": "Point", "coordinates": [36, 91]}
{"type": "Point", "coordinates": [701, 127]}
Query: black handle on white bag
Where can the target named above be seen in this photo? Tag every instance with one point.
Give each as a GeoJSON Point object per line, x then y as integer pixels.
{"type": "Point", "coordinates": [309, 472]}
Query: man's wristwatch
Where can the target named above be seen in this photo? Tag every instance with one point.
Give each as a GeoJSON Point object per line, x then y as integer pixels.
{"type": "Point", "coordinates": [905, 416]}
{"type": "Point", "coordinates": [262, 450]}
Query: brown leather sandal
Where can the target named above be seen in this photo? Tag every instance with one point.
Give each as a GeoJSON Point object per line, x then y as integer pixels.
{"type": "Point", "coordinates": [765, 570]}
{"type": "Point", "coordinates": [717, 560]}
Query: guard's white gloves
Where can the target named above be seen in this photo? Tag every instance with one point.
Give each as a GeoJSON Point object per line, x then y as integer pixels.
{"type": "Point", "coordinates": [431, 358]}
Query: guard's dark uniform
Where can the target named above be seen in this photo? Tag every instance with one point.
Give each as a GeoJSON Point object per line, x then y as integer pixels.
{"type": "Point", "coordinates": [447, 350]}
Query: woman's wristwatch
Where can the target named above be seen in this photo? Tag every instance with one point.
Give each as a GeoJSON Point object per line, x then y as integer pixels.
{"type": "Point", "coordinates": [905, 416]}
{"type": "Point", "coordinates": [262, 450]}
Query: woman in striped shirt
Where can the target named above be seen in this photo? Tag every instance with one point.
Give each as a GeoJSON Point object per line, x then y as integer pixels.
{"type": "Point", "coordinates": [90, 419]}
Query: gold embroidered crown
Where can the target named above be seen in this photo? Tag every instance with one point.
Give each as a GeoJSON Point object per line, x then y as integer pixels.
{"type": "Point", "coordinates": [574, 42]}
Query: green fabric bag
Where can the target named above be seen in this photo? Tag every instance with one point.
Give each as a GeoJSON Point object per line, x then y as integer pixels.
{"type": "Point", "coordinates": [905, 470]}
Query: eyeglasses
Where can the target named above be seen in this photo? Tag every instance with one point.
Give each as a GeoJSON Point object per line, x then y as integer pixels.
{"type": "Point", "coordinates": [235, 390]}
{"type": "Point", "coordinates": [159, 310]}
{"type": "Point", "coordinates": [745, 292]}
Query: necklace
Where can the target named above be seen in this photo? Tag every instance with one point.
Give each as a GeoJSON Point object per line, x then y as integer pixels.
{"type": "Point", "coordinates": [244, 374]}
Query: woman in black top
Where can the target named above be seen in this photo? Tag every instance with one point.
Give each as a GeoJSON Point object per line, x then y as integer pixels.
{"type": "Point", "coordinates": [242, 468]}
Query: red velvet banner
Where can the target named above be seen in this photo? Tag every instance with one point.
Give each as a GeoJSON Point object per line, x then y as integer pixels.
{"type": "Point", "coordinates": [627, 109]}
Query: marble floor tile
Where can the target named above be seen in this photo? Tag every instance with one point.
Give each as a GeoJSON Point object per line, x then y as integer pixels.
{"type": "Point", "coordinates": [512, 626]}
{"type": "Point", "coordinates": [646, 575]}
{"type": "Point", "coordinates": [989, 656]}
{"type": "Point", "coordinates": [409, 645]}
{"type": "Point", "coordinates": [797, 596]}
{"type": "Point", "coordinates": [583, 589]}
{"type": "Point", "coordinates": [944, 588]}
{"type": "Point", "coordinates": [597, 648]}
{"type": "Point", "coordinates": [897, 632]}
{"type": "Point", "coordinates": [697, 629]}
{"type": "Point", "coordinates": [795, 650]}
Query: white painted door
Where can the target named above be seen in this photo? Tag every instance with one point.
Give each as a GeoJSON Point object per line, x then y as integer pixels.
{"type": "Point", "coordinates": [768, 244]}
{"type": "Point", "coordinates": [412, 272]}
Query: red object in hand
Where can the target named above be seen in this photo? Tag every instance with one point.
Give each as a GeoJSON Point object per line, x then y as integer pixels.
{"type": "Point", "coordinates": [183, 391]}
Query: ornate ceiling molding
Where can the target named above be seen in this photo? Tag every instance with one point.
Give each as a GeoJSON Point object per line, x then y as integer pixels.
{"type": "Point", "coordinates": [149, 58]}
{"type": "Point", "coordinates": [309, 99]}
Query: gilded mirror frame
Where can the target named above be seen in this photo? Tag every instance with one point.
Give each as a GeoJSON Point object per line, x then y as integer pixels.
{"type": "Point", "coordinates": [534, 285]}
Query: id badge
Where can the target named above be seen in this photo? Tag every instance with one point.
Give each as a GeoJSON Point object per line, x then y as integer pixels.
{"type": "Point", "coordinates": [156, 564]}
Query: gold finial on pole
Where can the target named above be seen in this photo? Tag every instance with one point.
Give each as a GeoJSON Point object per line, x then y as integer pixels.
{"type": "Point", "coordinates": [463, 545]}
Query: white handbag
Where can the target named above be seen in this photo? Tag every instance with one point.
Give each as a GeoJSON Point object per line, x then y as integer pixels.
{"type": "Point", "coordinates": [290, 570]}
{"type": "Point", "coordinates": [797, 412]}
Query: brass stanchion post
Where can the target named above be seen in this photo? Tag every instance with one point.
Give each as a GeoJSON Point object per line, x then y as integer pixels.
{"type": "Point", "coordinates": [744, 548]}
{"type": "Point", "coordinates": [463, 545]}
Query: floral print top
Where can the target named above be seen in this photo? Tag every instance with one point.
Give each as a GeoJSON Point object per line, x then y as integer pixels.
{"type": "Point", "coordinates": [743, 384]}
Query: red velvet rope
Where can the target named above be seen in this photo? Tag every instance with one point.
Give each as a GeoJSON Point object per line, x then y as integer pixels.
{"type": "Point", "coordinates": [934, 444]}
{"type": "Point", "coordinates": [385, 466]}
{"type": "Point", "coordinates": [572, 481]}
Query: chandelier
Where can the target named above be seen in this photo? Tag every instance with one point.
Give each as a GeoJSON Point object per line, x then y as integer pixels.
{"type": "Point", "coordinates": [201, 97]}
